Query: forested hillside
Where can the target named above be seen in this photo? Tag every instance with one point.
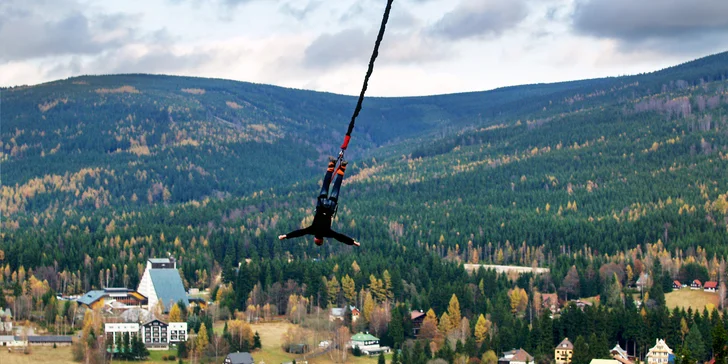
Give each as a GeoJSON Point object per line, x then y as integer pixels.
{"type": "Point", "coordinates": [102, 172]}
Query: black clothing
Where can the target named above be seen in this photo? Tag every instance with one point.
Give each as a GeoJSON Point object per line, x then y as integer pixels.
{"type": "Point", "coordinates": [325, 209]}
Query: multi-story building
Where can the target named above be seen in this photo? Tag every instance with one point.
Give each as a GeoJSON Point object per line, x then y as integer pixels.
{"type": "Point", "coordinates": [563, 352]}
{"type": "Point", "coordinates": [161, 282]}
{"type": "Point", "coordinates": [114, 330]}
{"type": "Point", "coordinates": [659, 354]}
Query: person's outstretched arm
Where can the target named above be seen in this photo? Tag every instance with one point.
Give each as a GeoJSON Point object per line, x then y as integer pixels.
{"type": "Point", "coordinates": [342, 238]}
{"type": "Point", "coordinates": [296, 233]}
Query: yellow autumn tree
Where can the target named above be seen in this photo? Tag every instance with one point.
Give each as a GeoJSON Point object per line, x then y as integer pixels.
{"type": "Point", "coordinates": [444, 325]}
{"type": "Point", "coordinates": [202, 339]}
{"type": "Point", "coordinates": [519, 299]}
{"type": "Point", "coordinates": [369, 306]}
{"type": "Point", "coordinates": [388, 285]}
{"type": "Point", "coordinates": [349, 287]}
{"type": "Point", "coordinates": [453, 311]}
{"type": "Point", "coordinates": [481, 329]}
{"type": "Point", "coordinates": [428, 330]}
{"type": "Point", "coordinates": [175, 314]}
{"type": "Point", "coordinates": [332, 290]}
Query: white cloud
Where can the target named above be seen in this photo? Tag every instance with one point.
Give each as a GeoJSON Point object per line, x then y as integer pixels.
{"type": "Point", "coordinates": [433, 46]}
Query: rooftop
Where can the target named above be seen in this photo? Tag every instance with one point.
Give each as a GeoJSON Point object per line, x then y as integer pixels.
{"type": "Point", "coordinates": [91, 297]}
{"type": "Point", "coordinates": [240, 358]}
{"type": "Point", "coordinates": [604, 361]}
{"type": "Point", "coordinates": [50, 339]}
{"type": "Point", "coordinates": [168, 287]}
{"type": "Point", "coordinates": [565, 344]}
{"type": "Point", "coordinates": [364, 337]}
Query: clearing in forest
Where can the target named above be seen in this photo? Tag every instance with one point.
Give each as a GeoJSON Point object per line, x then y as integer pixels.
{"type": "Point", "coordinates": [697, 299]}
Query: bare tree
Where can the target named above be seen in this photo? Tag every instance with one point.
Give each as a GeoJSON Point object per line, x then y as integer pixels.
{"type": "Point", "coordinates": [219, 346]}
{"type": "Point", "coordinates": [339, 352]}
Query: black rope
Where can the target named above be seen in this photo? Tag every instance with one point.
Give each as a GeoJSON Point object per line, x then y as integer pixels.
{"type": "Point", "coordinates": [371, 66]}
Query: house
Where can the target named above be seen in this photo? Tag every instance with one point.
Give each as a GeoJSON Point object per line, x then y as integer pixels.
{"type": "Point", "coordinates": [50, 340]}
{"type": "Point", "coordinates": [550, 301]}
{"type": "Point", "coordinates": [677, 285]}
{"type": "Point", "coordinates": [99, 298]}
{"type": "Point", "coordinates": [336, 314]}
{"type": "Point", "coordinates": [643, 282]}
{"type": "Point", "coordinates": [154, 334]}
{"type": "Point", "coordinates": [620, 355]}
{"type": "Point", "coordinates": [563, 352]}
{"type": "Point", "coordinates": [417, 318]}
{"type": "Point", "coordinates": [239, 358]}
{"type": "Point", "coordinates": [710, 286]}
{"type": "Point", "coordinates": [177, 332]}
{"type": "Point", "coordinates": [158, 334]}
{"type": "Point", "coordinates": [11, 341]}
{"type": "Point", "coordinates": [114, 330]}
{"type": "Point", "coordinates": [580, 304]}
{"type": "Point", "coordinates": [604, 361]}
{"type": "Point", "coordinates": [354, 313]}
{"type": "Point", "coordinates": [660, 353]}
{"type": "Point", "coordinates": [368, 344]}
{"type": "Point", "coordinates": [519, 356]}
{"type": "Point", "coordinates": [196, 301]}
{"type": "Point", "coordinates": [696, 284]}
{"type": "Point", "coordinates": [161, 282]}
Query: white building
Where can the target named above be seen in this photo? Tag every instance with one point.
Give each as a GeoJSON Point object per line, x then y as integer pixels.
{"type": "Point", "coordinates": [161, 282]}
{"type": "Point", "coordinates": [159, 334]}
{"type": "Point", "coordinates": [114, 330]}
{"type": "Point", "coordinates": [177, 332]}
{"type": "Point", "coordinates": [659, 354]}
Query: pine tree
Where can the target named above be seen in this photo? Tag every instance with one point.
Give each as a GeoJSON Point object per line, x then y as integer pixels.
{"type": "Point", "coordinates": [720, 340]}
{"type": "Point", "coordinates": [256, 341]}
{"type": "Point", "coordinates": [380, 360]}
{"type": "Point", "coordinates": [396, 327]}
{"type": "Point", "coordinates": [694, 342]}
{"type": "Point", "coordinates": [182, 350]}
{"type": "Point", "coordinates": [581, 351]}
{"type": "Point", "coordinates": [126, 346]}
{"type": "Point", "coordinates": [395, 355]}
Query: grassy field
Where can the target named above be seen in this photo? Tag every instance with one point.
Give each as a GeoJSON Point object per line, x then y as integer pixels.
{"type": "Point", "coordinates": [270, 335]}
{"type": "Point", "coordinates": [271, 353]}
{"type": "Point", "coordinates": [40, 354]}
{"type": "Point", "coordinates": [697, 299]}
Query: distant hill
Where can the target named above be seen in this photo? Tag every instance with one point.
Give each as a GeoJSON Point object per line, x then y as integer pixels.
{"type": "Point", "coordinates": [607, 163]}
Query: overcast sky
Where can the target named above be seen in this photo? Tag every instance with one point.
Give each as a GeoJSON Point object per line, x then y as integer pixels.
{"type": "Point", "coordinates": [431, 46]}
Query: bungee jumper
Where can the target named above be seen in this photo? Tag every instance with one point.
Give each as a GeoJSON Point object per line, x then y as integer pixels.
{"type": "Point", "coordinates": [325, 209]}
{"type": "Point", "coordinates": [327, 204]}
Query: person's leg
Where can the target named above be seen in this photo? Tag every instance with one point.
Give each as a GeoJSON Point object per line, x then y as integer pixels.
{"type": "Point", "coordinates": [327, 178]}
{"type": "Point", "coordinates": [337, 182]}
{"type": "Point", "coordinates": [342, 238]}
{"type": "Point", "coordinates": [296, 233]}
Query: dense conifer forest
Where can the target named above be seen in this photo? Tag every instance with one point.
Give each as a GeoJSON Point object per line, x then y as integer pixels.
{"type": "Point", "coordinates": [598, 180]}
